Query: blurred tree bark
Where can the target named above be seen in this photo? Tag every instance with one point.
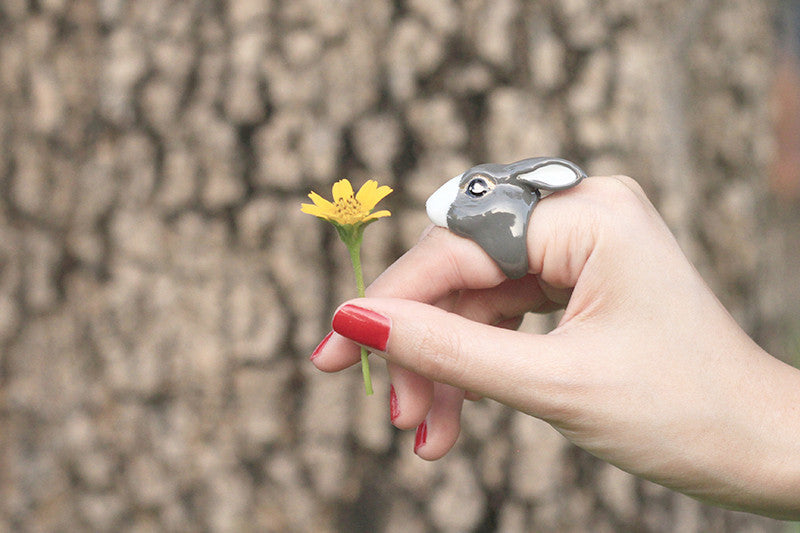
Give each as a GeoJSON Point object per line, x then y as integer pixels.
{"type": "Point", "coordinates": [160, 291]}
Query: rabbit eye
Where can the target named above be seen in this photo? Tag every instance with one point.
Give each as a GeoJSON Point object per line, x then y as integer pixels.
{"type": "Point", "coordinates": [477, 187]}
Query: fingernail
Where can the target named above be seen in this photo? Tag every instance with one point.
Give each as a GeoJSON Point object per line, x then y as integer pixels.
{"type": "Point", "coordinates": [363, 326]}
{"type": "Point", "coordinates": [394, 410]}
{"type": "Point", "coordinates": [422, 435]}
{"type": "Point", "coordinates": [319, 348]}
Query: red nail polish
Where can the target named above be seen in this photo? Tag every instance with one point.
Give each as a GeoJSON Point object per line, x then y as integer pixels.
{"type": "Point", "coordinates": [363, 326]}
{"type": "Point", "coordinates": [319, 348]}
{"type": "Point", "coordinates": [422, 435]}
{"type": "Point", "coordinates": [394, 410]}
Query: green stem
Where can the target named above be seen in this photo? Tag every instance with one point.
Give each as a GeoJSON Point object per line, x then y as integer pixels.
{"type": "Point", "coordinates": [355, 258]}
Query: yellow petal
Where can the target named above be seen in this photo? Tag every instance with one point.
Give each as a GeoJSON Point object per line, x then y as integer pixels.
{"type": "Point", "coordinates": [382, 192]}
{"type": "Point", "coordinates": [315, 210]}
{"type": "Point", "coordinates": [319, 200]}
{"type": "Point", "coordinates": [370, 194]}
{"type": "Point", "coordinates": [377, 214]}
{"type": "Point", "coordinates": [366, 191]}
{"type": "Point", "coordinates": [342, 189]}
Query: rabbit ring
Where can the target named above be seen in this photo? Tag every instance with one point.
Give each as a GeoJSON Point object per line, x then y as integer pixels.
{"type": "Point", "coordinates": [492, 203]}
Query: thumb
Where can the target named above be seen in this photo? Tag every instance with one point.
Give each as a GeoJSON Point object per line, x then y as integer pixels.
{"type": "Point", "coordinates": [521, 370]}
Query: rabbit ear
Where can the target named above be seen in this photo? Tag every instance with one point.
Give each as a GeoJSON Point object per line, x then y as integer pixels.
{"type": "Point", "coordinates": [553, 175]}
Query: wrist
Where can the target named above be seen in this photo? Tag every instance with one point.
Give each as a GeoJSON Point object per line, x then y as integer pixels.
{"type": "Point", "coordinates": [776, 463]}
{"type": "Point", "coordinates": [761, 463]}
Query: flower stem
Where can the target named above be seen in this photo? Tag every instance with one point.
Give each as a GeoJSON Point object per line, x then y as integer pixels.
{"type": "Point", "coordinates": [355, 258]}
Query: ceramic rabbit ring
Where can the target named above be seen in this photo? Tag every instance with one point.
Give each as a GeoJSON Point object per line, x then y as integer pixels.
{"type": "Point", "coordinates": [492, 203]}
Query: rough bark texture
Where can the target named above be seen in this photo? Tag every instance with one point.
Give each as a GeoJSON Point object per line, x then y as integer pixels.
{"type": "Point", "coordinates": [160, 291]}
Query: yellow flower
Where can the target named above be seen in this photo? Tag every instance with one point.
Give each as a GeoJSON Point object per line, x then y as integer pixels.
{"type": "Point", "coordinates": [350, 213]}
{"type": "Point", "coordinates": [348, 209]}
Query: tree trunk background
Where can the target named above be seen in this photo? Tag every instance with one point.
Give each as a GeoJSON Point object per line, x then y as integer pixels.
{"type": "Point", "coordinates": [160, 291]}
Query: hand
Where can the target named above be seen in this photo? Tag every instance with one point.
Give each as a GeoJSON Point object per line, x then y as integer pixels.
{"type": "Point", "coordinates": [646, 369]}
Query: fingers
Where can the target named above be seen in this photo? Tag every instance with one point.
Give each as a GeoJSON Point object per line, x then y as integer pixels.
{"type": "Point", "coordinates": [447, 348]}
{"type": "Point", "coordinates": [430, 370]}
{"type": "Point", "coordinates": [438, 432]}
{"type": "Point", "coordinates": [335, 353]}
{"type": "Point", "coordinates": [413, 397]}
{"type": "Point", "coordinates": [502, 305]}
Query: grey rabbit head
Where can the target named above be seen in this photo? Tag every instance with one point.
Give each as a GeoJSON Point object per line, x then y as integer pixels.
{"type": "Point", "coordinates": [491, 204]}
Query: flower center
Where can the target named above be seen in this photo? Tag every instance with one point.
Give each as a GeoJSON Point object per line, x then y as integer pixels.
{"type": "Point", "coordinates": [349, 210]}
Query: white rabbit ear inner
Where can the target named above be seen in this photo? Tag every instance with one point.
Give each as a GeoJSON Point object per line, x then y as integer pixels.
{"type": "Point", "coordinates": [553, 176]}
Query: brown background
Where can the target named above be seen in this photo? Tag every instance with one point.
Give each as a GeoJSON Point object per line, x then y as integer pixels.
{"type": "Point", "coordinates": [160, 291]}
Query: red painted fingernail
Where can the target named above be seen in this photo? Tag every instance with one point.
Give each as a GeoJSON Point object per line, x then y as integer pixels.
{"type": "Point", "coordinates": [394, 410]}
{"type": "Point", "coordinates": [422, 435]}
{"type": "Point", "coordinates": [363, 326]}
{"type": "Point", "coordinates": [321, 345]}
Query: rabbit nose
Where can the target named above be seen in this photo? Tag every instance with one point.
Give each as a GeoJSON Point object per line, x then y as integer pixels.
{"type": "Point", "coordinates": [439, 202]}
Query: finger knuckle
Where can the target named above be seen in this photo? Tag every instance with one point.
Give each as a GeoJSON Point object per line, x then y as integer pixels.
{"type": "Point", "coordinates": [618, 200]}
{"type": "Point", "coordinates": [629, 183]}
{"type": "Point", "coordinates": [622, 190]}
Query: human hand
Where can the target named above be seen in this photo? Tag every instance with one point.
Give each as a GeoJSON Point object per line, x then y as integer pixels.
{"type": "Point", "coordinates": [646, 369]}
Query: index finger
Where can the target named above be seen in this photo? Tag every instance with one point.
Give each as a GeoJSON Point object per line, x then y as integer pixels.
{"type": "Point", "coordinates": [440, 263]}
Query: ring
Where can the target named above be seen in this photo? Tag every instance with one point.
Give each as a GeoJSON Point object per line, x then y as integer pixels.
{"type": "Point", "coordinates": [492, 203]}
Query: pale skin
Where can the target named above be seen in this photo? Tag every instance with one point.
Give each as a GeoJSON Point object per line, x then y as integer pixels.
{"type": "Point", "coordinates": [645, 370]}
